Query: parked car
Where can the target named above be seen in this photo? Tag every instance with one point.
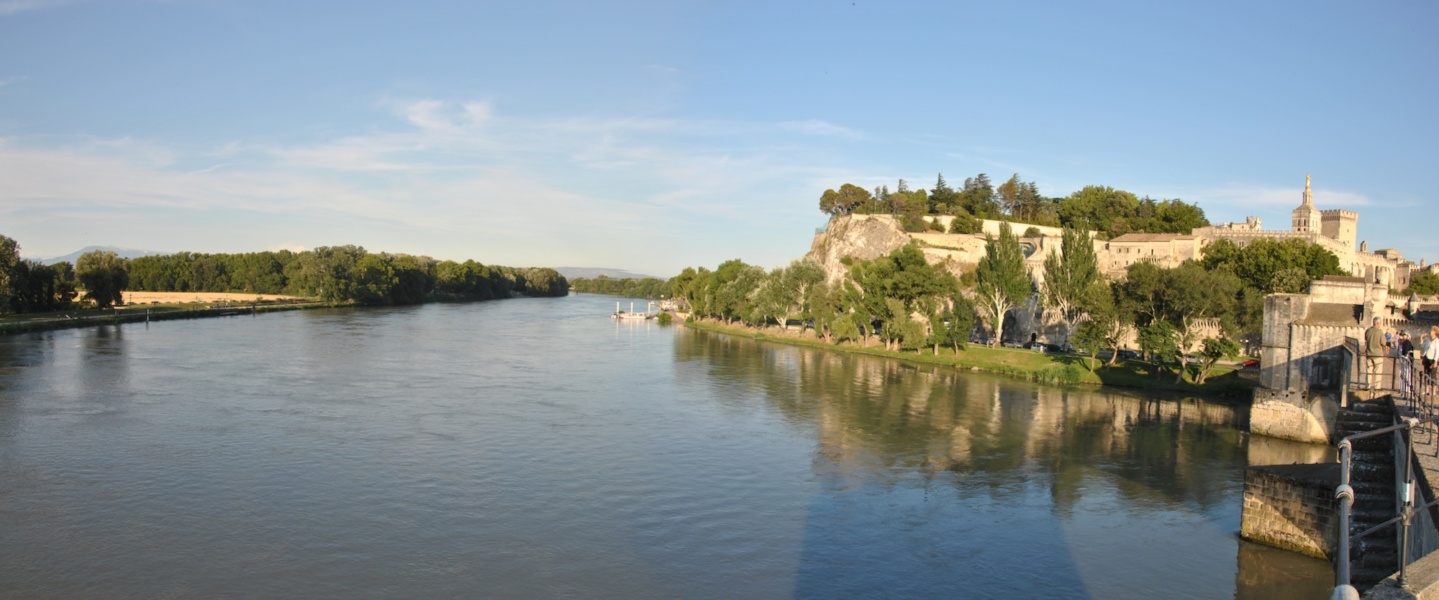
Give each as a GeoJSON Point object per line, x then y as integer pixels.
{"type": "Point", "coordinates": [1128, 354]}
{"type": "Point", "coordinates": [1252, 363]}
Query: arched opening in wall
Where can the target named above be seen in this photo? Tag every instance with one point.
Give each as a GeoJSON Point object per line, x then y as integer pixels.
{"type": "Point", "coordinates": [1010, 323]}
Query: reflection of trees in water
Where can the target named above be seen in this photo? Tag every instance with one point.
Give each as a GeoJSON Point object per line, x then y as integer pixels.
{"type": "Point", "coordinates": [881, 419]}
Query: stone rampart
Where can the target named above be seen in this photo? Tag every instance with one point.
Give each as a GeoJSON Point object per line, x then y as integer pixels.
{"type": "Point", "coordinates": [1291, 507]}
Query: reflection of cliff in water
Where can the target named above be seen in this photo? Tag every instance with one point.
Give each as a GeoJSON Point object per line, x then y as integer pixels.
{"type": "Point", "coordinates": [882, 418]}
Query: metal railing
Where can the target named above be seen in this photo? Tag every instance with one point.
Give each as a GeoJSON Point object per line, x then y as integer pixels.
{"type": "Point", "coordinates": [1413, 392]}
{"type": "Point", "coordinates": [1414, 389]}
{"type": "Point", "coordinates": [1404, 493]}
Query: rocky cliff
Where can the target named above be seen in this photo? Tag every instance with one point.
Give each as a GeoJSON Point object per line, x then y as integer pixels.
{"type": "Point", "coordinates": [867, 237]}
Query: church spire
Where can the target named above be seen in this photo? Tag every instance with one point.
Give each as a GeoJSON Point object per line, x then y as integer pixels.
{"type": "Point", "coordinates": [1307, 219]}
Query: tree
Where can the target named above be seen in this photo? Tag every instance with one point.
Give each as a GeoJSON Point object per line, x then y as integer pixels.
{"type": "Point", "coordinates": [951, 322]}
{"type": "Point", "coordinates": [1215, 349]}
{"type": "Point", "coordinates": [9, 257]}
{"type": "Point", "coordinates": [1259, 264]}
{"type": "Point", "coordinates": [906, 278]}
{"type": "Point", "coordinates": [374, 279]}
{"type": "Point", "coordinates": [1108, 325]}
{"type": "Point", "coordinates": [1194, 296]}
{"type": "Point", "coordinates": [844, 201]}
{"type": "Point", "coordinates": [104, 276]}
{"type": "Point", "coordinates": [977, 197]}
{"type": "Point", "coordinates": [1070, 275]}
{"type": "Point", "coordinates": [1159, 342]}
{"type": "Point", "coordinates": [943, 199]}
{"type": "Point", "coordinates": [1003, 279]}
{"type": "Point", "coordinates": [964, 222]}
{"type": "Point", "coordinates": [327, 273]}
{"type": "Point", "coordinates": [1425, 283]}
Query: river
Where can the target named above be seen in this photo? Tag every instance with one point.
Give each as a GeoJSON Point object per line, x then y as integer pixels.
{"type": "Point", "coordinates": [533, 448]}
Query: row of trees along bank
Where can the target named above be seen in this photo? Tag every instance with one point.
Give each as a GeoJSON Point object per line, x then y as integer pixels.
{"type": "Point", "coordinates": [29, 286]}
{"type": "Point", "coordinates": [903, 303]}
{"type": "Point", "coordinates": [1104, 210]}
{"type": "Point", "coordinates": [341, 274]}
{"type": "Point", "coordinates": [332, 274]}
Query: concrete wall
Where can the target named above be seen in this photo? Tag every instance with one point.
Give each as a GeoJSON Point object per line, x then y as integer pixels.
{"type": "Point", "coordinates": [1291, 507]}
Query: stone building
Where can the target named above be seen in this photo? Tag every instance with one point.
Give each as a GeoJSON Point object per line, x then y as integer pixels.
{"type": "Point", "coordinates": [1302, 357]}
{"type": "Point", "coordinates": [1334, 230]}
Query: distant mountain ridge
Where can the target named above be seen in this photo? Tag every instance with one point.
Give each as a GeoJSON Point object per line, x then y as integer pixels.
{"type": "Point", "coordinates": [122, 252]}
{"type": "Point", "coordinates": [593, 272]}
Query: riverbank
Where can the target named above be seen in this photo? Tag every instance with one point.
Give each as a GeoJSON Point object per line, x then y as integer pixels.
{"type": "Point", "coordinates": [1053, 368]}
{"type": "Point", "coordinates": [144, 313]}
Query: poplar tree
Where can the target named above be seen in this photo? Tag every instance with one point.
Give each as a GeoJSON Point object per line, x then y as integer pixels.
{"type": "Point", "coordinates": [1003, 277]}
{"type": "Point", "coordinates": [1069, 277]}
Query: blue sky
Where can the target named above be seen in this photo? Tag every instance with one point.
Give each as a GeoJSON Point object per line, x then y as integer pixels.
{"type": "Point", "coordinates": [651, 136]}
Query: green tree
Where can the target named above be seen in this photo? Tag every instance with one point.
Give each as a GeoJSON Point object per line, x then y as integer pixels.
{"type": "Point", "coordinates": [1003, 279]}
{"type": "Point", "coordinates": [1070, 276]}
{"type": "Point", "coordinates": [977, 197]}
{"type": "Point", "coordinates": [1159, 341]}
{"type": "Point", "coordinates": [374, 278]}
{"type": "Point", "coordinates": [9, 258]}
{"type": "Point", "coordinates": [952, 322]}
{"type": "Point", "coordinates": [1424, 283]}
{"type": "Point", "coordinates": [1215, 349]}
{"type": "Point", "coordinates": [964, 222]}
{"type": "Point", "coordinates": [104, 277]}
{"type": "Point", "coordinates": [1259, 264]}
{"type": "Point", "coordinates": [943, 200]}
{"type": "Point", "coordinates": [848, 198]}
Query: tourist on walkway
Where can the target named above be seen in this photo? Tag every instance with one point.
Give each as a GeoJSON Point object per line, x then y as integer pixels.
{"type": "Point", "coordinates": [1374, 351]}
{"type": "Point", "coordinates": [1431, 351]}
{"type": "Point", "coordinates": [1404, 349]}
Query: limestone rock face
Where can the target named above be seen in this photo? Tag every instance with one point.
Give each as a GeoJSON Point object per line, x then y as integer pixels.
{"type": "Point", "coordinates": [864, 237]}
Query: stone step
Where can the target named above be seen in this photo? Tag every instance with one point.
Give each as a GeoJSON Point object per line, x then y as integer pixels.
{"type": "Point", "coordinates": [1352, 426]}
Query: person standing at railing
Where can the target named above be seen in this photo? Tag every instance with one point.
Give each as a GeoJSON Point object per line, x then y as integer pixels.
{"type": "Point", "coordinates": [1431, 351]}
{"type": "Point", "coordinates": [1374, 352]}
{"type": "Point", "coordinates": [1404, 349]}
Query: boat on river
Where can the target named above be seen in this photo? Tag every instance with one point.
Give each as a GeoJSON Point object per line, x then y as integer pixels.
{"type": "Point", "coordinates": [631, 315]}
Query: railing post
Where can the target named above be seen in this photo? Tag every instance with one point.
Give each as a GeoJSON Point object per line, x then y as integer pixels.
{"type": "Point", "coordinates": [1407, 509]}
{"type": "Point", "coordinates": [1345, 495]}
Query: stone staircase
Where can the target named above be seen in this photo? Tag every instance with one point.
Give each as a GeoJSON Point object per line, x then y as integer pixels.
{"type": "Point", "coordinates": [1376, 556]}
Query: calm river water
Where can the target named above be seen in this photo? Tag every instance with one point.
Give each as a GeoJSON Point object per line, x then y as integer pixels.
{"type": "Point", "coordinates": [533, 448]}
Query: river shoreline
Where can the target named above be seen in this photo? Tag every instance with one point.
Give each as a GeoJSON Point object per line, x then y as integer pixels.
{"type": "Point", "coordinates": [139, 314]}
{"type": "Point", "coordinates": [1060, 369]}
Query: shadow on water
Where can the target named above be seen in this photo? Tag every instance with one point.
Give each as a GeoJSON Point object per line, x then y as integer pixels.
{"type": "Point", "coordinates": [944, 484]}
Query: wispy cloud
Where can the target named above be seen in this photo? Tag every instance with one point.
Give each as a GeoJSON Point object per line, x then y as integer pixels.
{"type": "Point", "coordinates": [819, 127]}
{"type": "Point", "coordinates": [1271, 197]}
{"type": "Point", "coordinates": [10, 7]}
{"type": "Point", "coordinates": [445, 175]}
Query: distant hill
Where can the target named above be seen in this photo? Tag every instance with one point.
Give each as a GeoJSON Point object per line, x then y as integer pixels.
{"type": "Point", "coordinates": [593, 272]}
{"type": "Point", "coordinates": [123, 252]}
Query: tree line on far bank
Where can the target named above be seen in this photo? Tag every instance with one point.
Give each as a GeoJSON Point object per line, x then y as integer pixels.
{"type": "Point", "coordinates": [332, 274]}
{"type": "Point", "coordinates": [1208, 307]}
{"type": "Point", "coordinates": [1104, 210]}
{"type": "Point", "coordinates": [644, 287]}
